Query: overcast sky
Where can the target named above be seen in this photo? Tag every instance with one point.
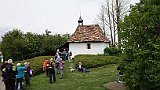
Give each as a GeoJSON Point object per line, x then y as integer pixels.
{"type": "Point", "coordinates": [58, 16]}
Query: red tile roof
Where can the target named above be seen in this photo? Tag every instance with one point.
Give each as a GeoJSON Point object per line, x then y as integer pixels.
{"type": "Point", "coordinates": [88, 33]}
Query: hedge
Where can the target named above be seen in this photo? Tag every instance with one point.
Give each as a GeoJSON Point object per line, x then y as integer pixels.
{"type": "Point", "coordinates": [113, 51]}
{"type": "Point", "coordinates": [35, 63]}
{"type": "Point", "coordinates": [93, 61]}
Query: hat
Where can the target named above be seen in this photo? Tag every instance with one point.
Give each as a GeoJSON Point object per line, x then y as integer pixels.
{"type": "Point", "coordinates": [25, 63]}
{"type": "Point", "coordinates": [18, 64]}
{"type": "Point", "coordinates": [10, 60]}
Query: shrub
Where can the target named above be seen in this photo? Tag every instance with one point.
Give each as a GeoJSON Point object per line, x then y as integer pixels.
{"type": "Point", "coordinates": [141, 34]}
{"type": "Point", "coordinates": [36, 63]}
{"type": "Point", "coordinates": [113, 51]}
{"type": "Point", "coordinates": [93, 61]}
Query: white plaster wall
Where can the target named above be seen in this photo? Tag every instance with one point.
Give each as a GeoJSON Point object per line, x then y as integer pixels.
{"type": "Point", "coordinates": [81, 48]}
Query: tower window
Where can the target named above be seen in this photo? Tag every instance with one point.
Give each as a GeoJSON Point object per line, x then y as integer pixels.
{"type": "Point", "coordinates": [88, 46]}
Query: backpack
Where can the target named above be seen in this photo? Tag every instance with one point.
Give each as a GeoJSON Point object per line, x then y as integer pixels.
{"type": "Point", "coordinates": [31, 72]}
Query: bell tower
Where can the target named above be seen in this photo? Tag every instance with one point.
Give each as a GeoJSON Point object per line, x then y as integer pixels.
{"type": "Point", "coordinates": [80, 21]}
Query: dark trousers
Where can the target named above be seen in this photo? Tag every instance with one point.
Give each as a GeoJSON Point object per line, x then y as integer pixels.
{"type": "Point", "coordinates": [47, 72]}
{"type": "Point", "coordinates": [10, 84]}
{"type": "Point", "coordinates": [58, 69]}
{"type": "Point", "coordinates": [52, 76]}
{"type": "Point", "coordinates": [19, 83]}
{"type": "Point", "coordinates": [27, 79]}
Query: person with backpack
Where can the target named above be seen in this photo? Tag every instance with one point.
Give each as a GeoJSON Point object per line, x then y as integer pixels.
{"type": "Point", "coordinates": [20, 75]}
{"type": "Point", "coordinates": [10, 75]}
{"type": "Point", "coordinates": [51, 71]}
{"type": "Point", "coordinates": [28, 74]}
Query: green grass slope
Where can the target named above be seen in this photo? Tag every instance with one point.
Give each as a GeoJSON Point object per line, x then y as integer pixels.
{"type": "Point", "coordinates": [93, 80]}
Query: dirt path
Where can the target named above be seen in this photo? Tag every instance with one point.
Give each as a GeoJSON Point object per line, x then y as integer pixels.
{"type": "Point", "coordinates": [115, 86]}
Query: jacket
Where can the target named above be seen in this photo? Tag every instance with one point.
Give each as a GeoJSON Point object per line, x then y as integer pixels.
{"type": "Point", "coordinates": [20, 70]}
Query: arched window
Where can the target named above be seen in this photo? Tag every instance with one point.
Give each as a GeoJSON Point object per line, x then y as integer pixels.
{"type": "Point", "coordinates": [88, 46]}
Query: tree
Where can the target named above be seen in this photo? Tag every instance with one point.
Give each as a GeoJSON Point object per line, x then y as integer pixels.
{"type": "Point", "coordinates": [19, 46]}
{"type": "Point", "coordinates": [141, 36]}
{"type": "Point", "coordinates": [13, 45]}
{"type": "Point", "coordinates": [111, 13]}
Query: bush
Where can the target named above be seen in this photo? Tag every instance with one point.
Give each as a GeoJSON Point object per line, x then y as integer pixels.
{"type": "Point", "coordinates": [93, 61]}
{"type": "Point", "coordinates": [36, 63]}
{"type": "Point", "coordinates": [113, 51]}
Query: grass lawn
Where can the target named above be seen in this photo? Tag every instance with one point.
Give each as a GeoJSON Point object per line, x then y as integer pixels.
{"type": "Point", "coordinates": [93, 80]}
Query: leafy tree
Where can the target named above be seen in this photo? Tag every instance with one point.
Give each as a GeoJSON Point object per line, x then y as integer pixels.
{"type": "Point", "coordinates": [19, 46]}
{"type": "Point", "coordinates": [13, 45]}
{"type": "Point", "coordinates": [141, 44]}
{"type": "Point", "coordinates": [51, 43]}
{"type": "Point", "coordinates": [34, 44]}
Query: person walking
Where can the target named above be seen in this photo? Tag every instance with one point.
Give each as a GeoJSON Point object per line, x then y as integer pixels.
{"type": "Point", "coordinates": [20, 75]}
{"type": "Point", "coordinates": [51, 71]}
{"type": "Point", "coordinates": [28, 73]}
{"type": "Point", "coordinates": [61, 68]}
{"type": "Point", "coordinates": [9, 75]}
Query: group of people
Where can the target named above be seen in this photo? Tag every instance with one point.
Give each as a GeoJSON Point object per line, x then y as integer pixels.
{"type": "Point", "coordinates": [65, 55]}
{"type": "Point", "coordinates": [13, 75]}
{"type": "Point", "coordinates": [48, 67]}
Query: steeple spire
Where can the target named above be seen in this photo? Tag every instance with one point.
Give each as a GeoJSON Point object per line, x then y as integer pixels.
{"type": "Point", "coordinates": [80, 21]}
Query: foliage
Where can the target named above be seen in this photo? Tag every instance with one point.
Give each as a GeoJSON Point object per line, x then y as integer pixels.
{"type": "Point", "coordinates": [141, 36]}
{"type": "Point", "coordinates": [13, 45]}
{"type": "Point", "coordinates": [36, 63]}
{"type": "Point", "coordinates": [19, 46]}
{"type": "Point", "coordinates": [92, 61]}
{"type": "Point", "coordinates": [113, 51]}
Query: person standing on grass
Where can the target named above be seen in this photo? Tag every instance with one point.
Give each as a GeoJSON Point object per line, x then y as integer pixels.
{"type": "Point", "coordinates": [20, 75]}
{"type": "Point", "coordinates": [28, 74]}
{"type": "Point", "coordinates": [9, 75]}
{"type": "Point", "coordinates": [69, 55]}
{"type": "Point", "coordinates": [46, 62]}
{"type": "Point", "coordinates": [3, 73]}
{"type": "Point", "coordinates": [51, 71]}
{"type": "Point", "coordinates": [61, 67]}
{"type": "Point", "coordinates": [58, 52]}
{"type": "Point", "coordinates": [57, 60]}
{"type": "Point", "coordinates": [119, 74]}
{"type": "Point", "coordinates": [64, 54]}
